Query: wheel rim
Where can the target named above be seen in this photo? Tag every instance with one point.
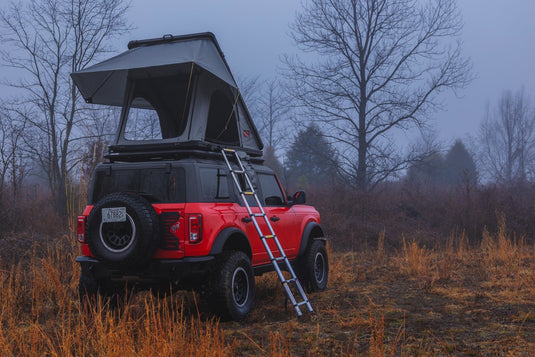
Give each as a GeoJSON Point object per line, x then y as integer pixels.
{"type": "Point", "coordinates": [319, 267]}
{"type": "Point", "coordinates": [117, 237]}
{"type": "Point", "coordinates": [240, 287]}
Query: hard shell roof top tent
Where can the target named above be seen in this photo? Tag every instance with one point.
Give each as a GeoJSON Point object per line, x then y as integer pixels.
{"type": "Point", "coordinates": [177, 93]}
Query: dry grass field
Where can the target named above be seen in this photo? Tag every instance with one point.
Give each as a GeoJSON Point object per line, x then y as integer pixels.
{"type": "Point", "coordinates": [449, 300]}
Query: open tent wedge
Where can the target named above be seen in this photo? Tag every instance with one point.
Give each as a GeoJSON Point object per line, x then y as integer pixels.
{"type": "Point", "coordinates": [176, 92]}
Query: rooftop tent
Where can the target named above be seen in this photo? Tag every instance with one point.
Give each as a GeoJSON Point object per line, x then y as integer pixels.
{"type": "Point", "coordinates": [176, 92]}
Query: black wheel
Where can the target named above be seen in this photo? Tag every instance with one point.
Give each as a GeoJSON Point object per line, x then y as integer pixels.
{"type": "Point", "coordinates": [314, 267]}
{"type": "Point", "coordinates": [233, 288]}
{"type": "Point", "coordinates": [123, 228]}
{"type": "Point", "coordinates": [90, 289]}
{"type": "Point", "coordinates": [87, 289]}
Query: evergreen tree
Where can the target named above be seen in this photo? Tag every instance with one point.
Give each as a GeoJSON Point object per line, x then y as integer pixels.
{"type": "Point", "coordinates": [459, 166]}
{"type": "Point", "coordinates": [311, 159]}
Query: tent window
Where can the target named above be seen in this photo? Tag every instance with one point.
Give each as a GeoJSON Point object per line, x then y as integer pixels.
{"type": "Point", "coordinates": [158, 109]}
{"type": "Point", "coordinates": [222, 126]}
{"type": "Point", "coordinates": [142, 124]}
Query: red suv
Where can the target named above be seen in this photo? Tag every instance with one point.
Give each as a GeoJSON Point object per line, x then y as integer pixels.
{"type": "Point", "coordinates": [166, 211]}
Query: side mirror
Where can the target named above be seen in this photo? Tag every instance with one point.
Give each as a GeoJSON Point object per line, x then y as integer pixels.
{"type": "Point", "coordinates": [299, 198]}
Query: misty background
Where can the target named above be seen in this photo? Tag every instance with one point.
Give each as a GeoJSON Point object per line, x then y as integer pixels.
{"type": "Point", "coordinates": [451, 149]}
{"type": "Point", "coordinates": [497, 36]}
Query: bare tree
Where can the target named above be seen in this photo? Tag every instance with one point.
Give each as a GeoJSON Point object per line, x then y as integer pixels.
{"type": "Point", "coordinates": [269, 105]}
{"type": "Point", "coordinates": [250, 91]}
{"type": "Point", "coordinates": [380, 69]}
{"type": "Point", "coordinates": [507, 139]}
{"type": "Point", "coordinates": [46, 40]}
{"type": "Point", "coordinates": [12, 159]}
{"type": "Point", "coordinates": [274, 113]}
{"type": "Point", "coordinates": [99, 129]}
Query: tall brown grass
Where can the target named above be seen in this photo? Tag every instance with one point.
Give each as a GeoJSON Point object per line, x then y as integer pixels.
{"type": "Point", "coordinates": [40, 313]}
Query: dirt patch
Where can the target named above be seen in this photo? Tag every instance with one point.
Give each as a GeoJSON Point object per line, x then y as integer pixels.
{"type": "Point", "coordinates": [376, 307]}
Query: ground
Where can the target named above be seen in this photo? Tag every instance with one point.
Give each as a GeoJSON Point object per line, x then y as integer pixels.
{"type": "Point", "coordinates": [374, 306]}
{"type": "Point", "coordinates": [456, 299]}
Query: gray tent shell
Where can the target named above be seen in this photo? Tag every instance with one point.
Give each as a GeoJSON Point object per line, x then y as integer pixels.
{"type": "Point", "coordinates": [192, 65]}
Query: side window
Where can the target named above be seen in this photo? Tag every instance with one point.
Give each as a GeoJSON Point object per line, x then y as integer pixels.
{"type": "Point", "coordinates": [271, 191]}
{"type": "Point", "coordinates": [214, 184]}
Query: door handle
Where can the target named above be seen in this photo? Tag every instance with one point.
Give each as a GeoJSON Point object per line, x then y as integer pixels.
{"type": "Point", "coordinates": [246, 219]}
{"type": "Point", "coordinates": [274, 218]}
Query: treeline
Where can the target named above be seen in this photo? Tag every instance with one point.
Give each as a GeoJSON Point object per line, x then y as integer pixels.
{"type": "Point", "coordinates": [331, 125]}
{"type": "Point", "coordinates": [463, 189]}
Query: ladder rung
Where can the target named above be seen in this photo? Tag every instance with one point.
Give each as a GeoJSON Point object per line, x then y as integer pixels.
{"type": "Point", "coordinates": [270, 236]}
{"type": "Point", "coordinates": [258, 215]}
{"type": "Point", "coordinates": [248, 193]}
{"type": "Point", "coordinates": [229, 150]}
{"type": "Point", "coordinates": [302, 303]}
{"type": "Point", "coordinates": [292, 280]}
{"type": "Point", "coordinates": [278, 259]}
{"type": "Point", "coordinates": [239, 172]}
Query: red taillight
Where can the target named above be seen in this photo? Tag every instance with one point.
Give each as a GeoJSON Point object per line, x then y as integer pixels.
{"type": "Point", "coordinates": [195, 227]}
{"type": "Point", "coordinates": [80, 229]}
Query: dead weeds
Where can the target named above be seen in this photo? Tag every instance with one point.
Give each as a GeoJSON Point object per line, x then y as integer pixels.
{"type": "Point", "coordinates": [447, 300]}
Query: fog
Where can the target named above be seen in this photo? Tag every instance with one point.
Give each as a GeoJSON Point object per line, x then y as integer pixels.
{"type": "Point", "coordinates": [497, 37]}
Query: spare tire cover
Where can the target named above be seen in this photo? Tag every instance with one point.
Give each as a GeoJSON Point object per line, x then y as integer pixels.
{"type": "Point", "coordinates": [123, 228]}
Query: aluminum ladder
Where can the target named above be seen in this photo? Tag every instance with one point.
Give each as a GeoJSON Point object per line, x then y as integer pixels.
{"type": "Point", "coordinates": [249, 190]}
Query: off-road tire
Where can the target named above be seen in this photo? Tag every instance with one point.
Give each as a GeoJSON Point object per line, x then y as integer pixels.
{"type": "Point", "coordinates": [87, 289]}
{"type": "Point", "coordinates": [313, 267]}
{"type": "Point", "coordinates": [92, 292]}
{"type": "Point", "coordinates": [129, 243]}
{"type": "Point", "coordinates": [233, 286]}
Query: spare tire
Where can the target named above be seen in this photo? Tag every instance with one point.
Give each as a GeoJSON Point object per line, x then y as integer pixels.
{"type": "Point", "coordinates": [123, 229]}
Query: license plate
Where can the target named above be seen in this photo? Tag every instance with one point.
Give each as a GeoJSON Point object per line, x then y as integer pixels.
{"type": "Point", "coordinates": [114, 214]}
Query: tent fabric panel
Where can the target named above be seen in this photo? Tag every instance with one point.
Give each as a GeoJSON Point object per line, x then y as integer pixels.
{"type": "Point", "coordinates": [199, 114]}
{"type": "Point", "coordinates": [103, 88]}
{"type": "Point", "coordinates": [249, 135]}
{"type": "Point", "coordinates": [203, 52]}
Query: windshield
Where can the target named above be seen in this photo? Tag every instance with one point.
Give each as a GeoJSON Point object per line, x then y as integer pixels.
{"type": "Point", "coordinates": [158, 108]}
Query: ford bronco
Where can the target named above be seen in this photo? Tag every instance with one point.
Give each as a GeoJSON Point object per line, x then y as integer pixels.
{"type": "Point", "coordinates": [164, 211]}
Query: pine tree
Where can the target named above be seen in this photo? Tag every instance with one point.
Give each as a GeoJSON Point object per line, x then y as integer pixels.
{"type": "Point", "coordinates": [459, 166]}
{"type": "Point", "coordinates": [311, 159]}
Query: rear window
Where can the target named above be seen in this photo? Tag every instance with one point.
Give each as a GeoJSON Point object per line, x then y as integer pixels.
{"type": "Point", "coordinates": [214, 184]}
{"type": "Point", "coordinates": [157, 185]}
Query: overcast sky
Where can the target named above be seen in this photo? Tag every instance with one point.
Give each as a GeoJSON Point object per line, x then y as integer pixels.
{"type": "Point", "coordinates": [498, 36]}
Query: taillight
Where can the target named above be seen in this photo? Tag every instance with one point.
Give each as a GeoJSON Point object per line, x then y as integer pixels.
{"type": "Point", "coordinates": [195, 227]}
{"type": "Point", "coordinates": [80, 229]}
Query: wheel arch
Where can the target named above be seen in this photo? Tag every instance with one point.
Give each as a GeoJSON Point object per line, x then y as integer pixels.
{"type": "Point", "coordinates": [311, 232]}
{"type": "Point", "coordinates": [231, 238]}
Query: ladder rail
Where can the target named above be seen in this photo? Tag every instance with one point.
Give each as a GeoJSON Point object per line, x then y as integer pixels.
{"type": "Point", "coordinates": [244, 192]}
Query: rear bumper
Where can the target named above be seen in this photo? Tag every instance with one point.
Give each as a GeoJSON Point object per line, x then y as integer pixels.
{"type": "Point", "coordinates": [157, 272]}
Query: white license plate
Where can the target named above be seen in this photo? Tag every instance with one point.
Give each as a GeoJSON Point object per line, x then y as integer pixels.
{"type": "Point", "coordinates": [114, 214]}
